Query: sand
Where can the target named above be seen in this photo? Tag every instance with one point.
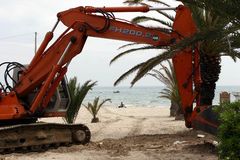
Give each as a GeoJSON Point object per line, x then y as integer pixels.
{"type": "Point", "coordinates": [131, 133]}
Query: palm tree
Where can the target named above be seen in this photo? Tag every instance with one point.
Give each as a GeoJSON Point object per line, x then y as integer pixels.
{"type": "Point", "coordinates": [166, 75]}
{"type": "Point", "coordinates": [230, 8]}
{"type": "Point", "coordinates": [210, 48]}
{"type": "Point", "coordinates": [94, 107]}
{"type": "Point", "coordinates": [77, 95]}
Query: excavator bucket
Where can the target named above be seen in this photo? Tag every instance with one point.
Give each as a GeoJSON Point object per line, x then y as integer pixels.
{"type": "Point", "coordinates": [207, 121]}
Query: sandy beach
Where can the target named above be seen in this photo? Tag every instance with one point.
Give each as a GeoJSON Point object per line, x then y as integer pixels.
{"type": "Point", "coordinates": [131, 133]}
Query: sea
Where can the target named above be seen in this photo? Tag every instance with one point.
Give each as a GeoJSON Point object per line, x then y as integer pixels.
{"type": "Point", "coordinates": [144, 96]}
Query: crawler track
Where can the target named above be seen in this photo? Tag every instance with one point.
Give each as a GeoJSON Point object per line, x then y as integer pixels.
{"type": "Point", "coordinates": [41, 136]}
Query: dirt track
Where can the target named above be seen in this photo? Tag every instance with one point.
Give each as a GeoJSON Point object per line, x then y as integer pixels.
{"type": "Point", "coordinates": [179, 146]}
{"type": "Point", "coordinates": [132, 134]}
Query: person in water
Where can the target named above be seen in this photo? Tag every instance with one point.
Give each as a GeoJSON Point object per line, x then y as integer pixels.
{"type": "Point", "coordinates": [122, 105]}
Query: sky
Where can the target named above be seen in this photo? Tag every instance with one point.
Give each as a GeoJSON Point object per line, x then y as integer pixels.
{"type": "Point", "coordinates": [20, 19]}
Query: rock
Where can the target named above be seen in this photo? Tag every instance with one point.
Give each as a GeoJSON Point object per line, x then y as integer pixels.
{"type": "Point", "coordinates": [200, 136]}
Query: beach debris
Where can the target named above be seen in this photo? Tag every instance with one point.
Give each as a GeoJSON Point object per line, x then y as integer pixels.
{"type": "Point", "coordinates": [179, 142]}
{"type": "Point", "coordinates": [100, 144]}
{"type": "Point", "coordinates": [155, 147]}
{"type": "Point", "coordinates": [200, 135]}
{"type": "Point", "coordinates": [215, 143]}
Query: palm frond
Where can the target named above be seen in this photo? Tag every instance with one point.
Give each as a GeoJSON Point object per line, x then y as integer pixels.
{"type": "Point", "coordinates": [230, 8]}
{"type": "Point", "coordinates": [233, 54]}
{"type": "Point", "coordinates": [159, 2]}
{"type": "Point", "coordinates": [154, 75]}
{"type": "Point", "coordinates": [164, 95]}
{"type": "Point", "coordinates": [166, 75]}
{"type": "Point", "coordinates": [95, 106]}
{"type": "Point", "coordinates": [130, 51]}
{"type": "Point", "coordinates": [129, 44]}
{"type": "Point", "coordinates": [104, 101]}
{"type": "Point", "coordinates": [134, 2]}
{"type": "Point", "coordinates": [162, 76]}
{"type": "Point", "coordinates": [141, 19]}
{"type": "Point", "coordinates": [126, 74]}
{"type": "Point", "coordinates": [169, 76]}
{"type": "Point", "coordinates": [151, 63]}
{"type": "Point", "coordinates": [171, 18]}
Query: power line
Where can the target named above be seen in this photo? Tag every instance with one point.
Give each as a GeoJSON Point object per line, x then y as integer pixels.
{"type": "Point", "coordinates": [21, 35]}
{"type": "Point", "coordinates": [14, 36]}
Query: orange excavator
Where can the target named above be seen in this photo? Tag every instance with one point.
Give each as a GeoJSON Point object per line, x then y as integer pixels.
{"type": "Point", "coordinates": [40, 88]}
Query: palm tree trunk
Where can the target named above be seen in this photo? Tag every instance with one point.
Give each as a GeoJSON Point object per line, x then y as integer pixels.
{"type": "Point", "coordinates": [173, 109]}
{"type": "Point", "coordinates": [210, 70]}
{"type": "Point", "coordinates": [176, 111]}
{"type": "Point", "coordinates": [95, 119]}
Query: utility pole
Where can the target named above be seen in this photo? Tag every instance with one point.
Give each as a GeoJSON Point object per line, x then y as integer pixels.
{"type": "Point", "coordinates": [35, 50]}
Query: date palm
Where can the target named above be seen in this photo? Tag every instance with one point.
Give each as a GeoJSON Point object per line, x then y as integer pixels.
{"type": "Point", "coordinates": [166, 75]}
{"type": "Point", "coordinates": [211, 50]}
{"type": "Point", "coordinates": [211, 47]}
{"type": "Point", "coordinates": [94, 107]}
{"type": "Point", "coordinates": [77, 95]}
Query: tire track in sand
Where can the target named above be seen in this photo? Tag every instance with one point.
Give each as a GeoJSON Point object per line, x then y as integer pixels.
{"type": "Point", "coordinates": [137, 127]}
{"type": "Point", "coordinates": [100, 129]}
{"type": "Point", "coordinates": [137, 123]}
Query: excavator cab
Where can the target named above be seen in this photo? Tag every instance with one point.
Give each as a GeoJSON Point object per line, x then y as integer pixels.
{"type": "Point", "coordinates": [58, 103]}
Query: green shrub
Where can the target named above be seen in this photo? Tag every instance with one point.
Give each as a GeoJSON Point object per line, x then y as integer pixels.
{"type": "Point", "coordinates": [229, 131]}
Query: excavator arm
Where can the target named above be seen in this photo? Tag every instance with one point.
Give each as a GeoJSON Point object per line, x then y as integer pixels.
{"type": "Point", "coordinates": [49, 63]}
{"type": "Point", "coordinates": [107, 26]}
